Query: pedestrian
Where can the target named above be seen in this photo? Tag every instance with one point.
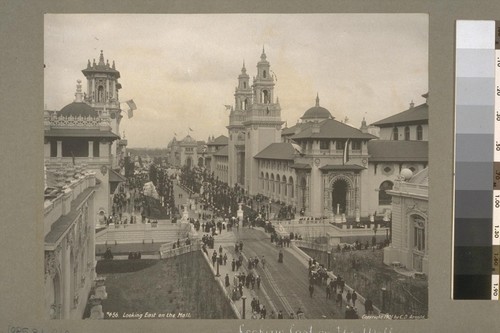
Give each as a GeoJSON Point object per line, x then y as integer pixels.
{"type": "Point", "coordinates": [327, 291]}
{"type": "Point", "coordinates": [311, 290]}
{"type": "Point", "coordinates": [263, 312]}
{"type": "Point", "coordinates": [258, 282]}
{"type": "Point", "coordinates": [220, 249]}
{"type": "Point", "coordinates": [272, 315]}
{"type": "Point", "coordinates": [225, 259]}
{"type": "Point", "coordinates": [354, 297]}
{"type": "Point", "coordinates": [300, 314]}
{"type": "Point", "coordinates": [368, 306]}
{"type": "Point", "coordinates": [280, 315]}
{"type": "Point", "coordinates": [348, 297]}
{"type": "Point", "coordinates": [233, 264]}
{"type": "Point", "coordinates": [339, 299]}
{"type": "Point", "coordinates": [227, 280]}
{"type": "Point", "coordinates": [263, 262]}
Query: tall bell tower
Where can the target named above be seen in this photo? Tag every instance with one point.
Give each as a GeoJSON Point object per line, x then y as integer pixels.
{"type": "Point", "coordinates": [262, 122]}
{"type": "Point", "coordinates": [102, 94]}
{"type": "Point", "coordinates": [236, 145]}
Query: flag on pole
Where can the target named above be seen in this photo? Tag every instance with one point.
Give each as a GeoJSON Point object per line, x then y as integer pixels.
{"type": "Point", "coordinates": [346, 152]}
{"type": "Point", "coordinates": [131, 104]}
{"type": "Point", "coordinates": [130, 113]}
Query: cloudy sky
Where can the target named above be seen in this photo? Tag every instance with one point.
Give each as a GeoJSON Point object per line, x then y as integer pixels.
{"type": "Point", "coordinates": [182, 69]}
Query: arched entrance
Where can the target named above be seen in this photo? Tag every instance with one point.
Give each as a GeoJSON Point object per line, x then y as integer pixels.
{"type": "Point", "coordinates": [189, 162]}
{"type": "Point", "coordinates": [339, 196]}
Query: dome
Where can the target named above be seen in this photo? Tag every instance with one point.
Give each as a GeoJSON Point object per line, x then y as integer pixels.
{"type": "Point", "coordinates": [76, 109]}
{"type": "Point", "coordinates": [317, 112]}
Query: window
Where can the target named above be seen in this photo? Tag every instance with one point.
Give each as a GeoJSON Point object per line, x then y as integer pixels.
{"type": "Point", "coordinates": [324, 144]}
{"type": "Point", "coordinates": [383, 197]}
{"type": "Point", "coordinates": [339, 145]}
{"type": "Point", "coordinates": [356, 145]}
{"type": "Point", "coordinates": [419, 133]}
{"type": "Point", "coordinates": [407, 133]}
{"type": "Point", "coordinates": [244, 84]}
{"type": "Point", "coordinates": [264, 74]}
{"type": "Point", "coordinates": [418, 234]}
{"type": "Point", "coordinates": [395, 133]}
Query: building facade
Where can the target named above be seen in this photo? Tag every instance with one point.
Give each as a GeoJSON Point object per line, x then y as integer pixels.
{"type": "Point", "coordinates": [410, 222]}
{"type": "Point", "coordinates": [322, 166]}
{"type": "Point", "coordinates": [81, 161]}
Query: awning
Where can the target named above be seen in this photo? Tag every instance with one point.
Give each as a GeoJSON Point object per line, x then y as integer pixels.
{"type": "Point", "coordinates": [303, 166]}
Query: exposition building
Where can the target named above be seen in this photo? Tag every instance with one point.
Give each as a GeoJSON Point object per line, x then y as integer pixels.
{"type": "Point", "coordinates": [83, 158]}
{"type": "Point", "coordinates": [321, 165]}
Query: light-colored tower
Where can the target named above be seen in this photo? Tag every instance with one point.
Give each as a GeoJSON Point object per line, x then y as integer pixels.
{"type": "Point", "coordinates": [102, 94]}
{"type": "Point", "coordinates": [262, 122]}
{"type": "Point", "coordinates": [236, 145]}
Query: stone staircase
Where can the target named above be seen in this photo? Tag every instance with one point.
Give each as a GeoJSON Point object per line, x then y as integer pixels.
{"type": "Point", "coordinates": [141, 233]}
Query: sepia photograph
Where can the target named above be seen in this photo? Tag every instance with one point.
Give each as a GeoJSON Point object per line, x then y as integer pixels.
{"type": "Point", "coordinates": [236, 166]}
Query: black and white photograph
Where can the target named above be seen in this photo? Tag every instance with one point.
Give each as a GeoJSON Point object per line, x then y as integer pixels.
{"type": "Point", "coordinates": [236, 166]}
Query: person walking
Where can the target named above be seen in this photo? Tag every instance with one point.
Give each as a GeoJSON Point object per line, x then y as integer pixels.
{"type": "Point", "coordinates": [354, 297]}
{"type": "Point", "coordinates": [263, 262]}
{"type": "Point", "coordinates": [328, 293]}
{"type": "Point", "coordinates": [280, 314]}
{"type": "Point", "coordinates": [263, 312]}
{"type": "Point", "coordinates": [233, 265]}
{"type": "Point", "coordinates": [227, 280]}
{"type": "Point", "coordinates": [348, 297]}
{"type": "Point", "coordinates": [311, 290]}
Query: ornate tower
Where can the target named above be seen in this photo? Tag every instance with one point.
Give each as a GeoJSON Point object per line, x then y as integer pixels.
{"type": "Point", "coordinates": [262, 122]}
{"type": "Point", "coordinates": [102, 94]}
{"type": "Point", "coordinates": [236, 144]}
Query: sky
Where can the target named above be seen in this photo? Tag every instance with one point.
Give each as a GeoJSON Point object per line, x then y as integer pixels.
{"type": "Point", "coordinates": [181, 69]}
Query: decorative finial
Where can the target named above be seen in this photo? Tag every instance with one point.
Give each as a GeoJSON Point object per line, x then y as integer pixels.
{"type": "Point", "coordinates": [412, 104]}
{"type": "Point", "coordinates": [88, 64]}
{"type": "Point", "coordinates": [101, 59]}
{"type": "Point", "coordinates": [243, 69]}
{"type": "Point", "coordinates": [107, 63]}
{"type": "Point", "coordinates": [317, 99]}
{"type": "Point", "coordinates": [78, 94]}
{"type": "Point", "coordinates": [93, 63]}
{"type": "Point", "coordinates": [263, 56]}
{"type": "Point", "coordinates": [113, 64]}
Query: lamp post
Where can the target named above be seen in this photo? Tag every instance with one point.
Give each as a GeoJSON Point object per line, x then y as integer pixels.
{"type": "Point", "coordinates": [384, 294]}
{"type": "Point", "coordinates": [243, 314]}
{"type": "Point", "coordinates": [217, 275]}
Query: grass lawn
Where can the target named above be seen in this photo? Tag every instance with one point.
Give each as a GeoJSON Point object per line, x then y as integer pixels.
{"type": "Point", "coordinates": [181, 285]}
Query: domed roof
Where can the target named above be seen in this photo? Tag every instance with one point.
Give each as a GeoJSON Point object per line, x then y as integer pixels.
{"type": "Point", "coordinates": [317, 112]}
{"type": "Point", "coordinates": [76, 109]}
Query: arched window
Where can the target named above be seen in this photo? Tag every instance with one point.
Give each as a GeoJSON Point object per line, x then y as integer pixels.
{"type": "Point", "coordinates": [267, 181]}
{"type": "Point", "coordinates": [395, 133]}
{"type": "Point", "coordinates": [264, 74]}
{"type": "Point", "coordinates": [285, 186]}
{"type": "Point", "coordinates": [265, 96]}
{"type": "Point", "coordinates": [418, 233]}
{"type": "Point", "coordinates": [272, 183]}
{"type": "Point", "coordinates": [407, 133]}
{"type": "Point", "coordinates": [100, 94]}
{"type": "Point", "coordinates": [290, 180]}
{"type": "Point", "coordinates": [383, 197]}
{"type": "Point", "coordinates": [419, 133]}
{"type": "Point", "coordinates": [244, 84]}
{"type": "Point", "coordinates": [278, 189]}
